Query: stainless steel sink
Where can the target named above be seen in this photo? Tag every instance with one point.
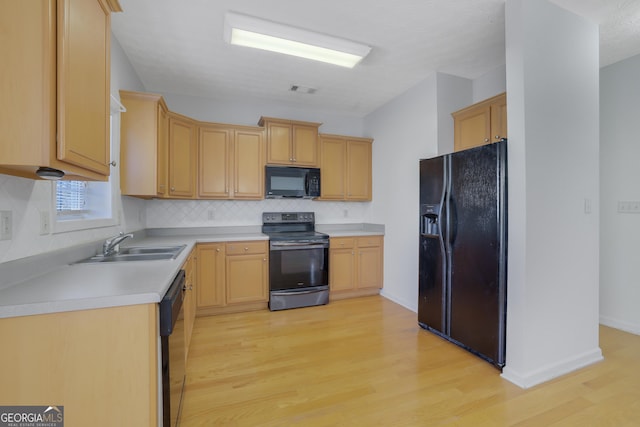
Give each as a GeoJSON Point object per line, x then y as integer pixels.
{"type": "Point", "coordinates": [138, 253]}
{"type": "Point", "coordinates": [142, 250]}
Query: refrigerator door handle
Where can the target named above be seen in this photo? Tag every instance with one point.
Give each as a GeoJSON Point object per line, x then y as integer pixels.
{"type": "Point", "coordinates": [444, 226]}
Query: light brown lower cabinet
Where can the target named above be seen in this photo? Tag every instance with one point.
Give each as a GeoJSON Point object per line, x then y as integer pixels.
{"type": "Point", "coordinates": [355, 266]}
{"type": "Point", "coordinates": [101, 365]}
{"type": "Point", "coordinates": [232, 277]}
{"type": "Point", "coordinates": [189, 304]}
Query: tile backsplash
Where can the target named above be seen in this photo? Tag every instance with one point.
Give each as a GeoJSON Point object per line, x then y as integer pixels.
{"type": "Point", "coordinates": [27, 198]}
{"type": "Point", "coordinates": [207, 213]}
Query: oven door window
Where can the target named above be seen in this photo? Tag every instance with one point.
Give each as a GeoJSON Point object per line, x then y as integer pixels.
{"type": "Point", "coordinates": [300, 268]}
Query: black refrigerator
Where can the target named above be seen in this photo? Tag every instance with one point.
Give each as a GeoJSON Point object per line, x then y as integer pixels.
{"type": "Point", "coordinates": [463, 249]}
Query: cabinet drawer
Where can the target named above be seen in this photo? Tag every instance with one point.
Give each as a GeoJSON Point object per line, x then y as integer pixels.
{"type": "Point", "coordinates": [240, 248]}
{"type": "Point", "coordinates": [342, 242]}
{"type": "Point", "coordinates": [369, 241]}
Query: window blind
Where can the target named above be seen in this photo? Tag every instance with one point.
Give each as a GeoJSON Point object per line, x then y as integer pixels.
{"type": "Point", "coordinates": [71, 197]}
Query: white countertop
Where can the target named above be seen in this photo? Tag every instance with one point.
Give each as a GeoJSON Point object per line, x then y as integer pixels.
{"type": "Point", "coordinates": [100, 285]}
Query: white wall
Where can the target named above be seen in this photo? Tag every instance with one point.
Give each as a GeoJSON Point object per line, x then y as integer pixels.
{"type": "Point", "coordinates": [490, 84]}
{"type": "Point", "coordinates": [26, 198]}
{"type": "Point", "coordinates": [248, 112]}
{"type": "Point", "coordinates": [620, 181]}
{"type": "Point", "coordinates": [453, 93]}
{"type": "Point", "coordinates": [553, 96]}
{"type": "Point", "coordinates": [413, 126]}
{"type": "Point", "coordinates": [406, 130]}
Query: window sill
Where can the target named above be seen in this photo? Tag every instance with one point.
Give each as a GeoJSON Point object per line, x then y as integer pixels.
{"type": "Point", "coordinates": [65, 226]}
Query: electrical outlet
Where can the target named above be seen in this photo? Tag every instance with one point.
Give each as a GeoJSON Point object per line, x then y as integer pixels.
{"type": "Point", "coordinates": [6, 225]}
{"type": "Point", "coordinates": [45, 225]}
{"type": "Point", "coordinates": [345, 213]}
{"type": "Point", "coordinates": [211, 214]}
{"type": "Point", "coordinates": [587, 206]}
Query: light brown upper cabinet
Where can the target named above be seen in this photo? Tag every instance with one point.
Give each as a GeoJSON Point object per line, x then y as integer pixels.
{"type": "Point", "coordinates": [55, 87]}
{"type": "Point", "coordinates": [345, 164]}
{"type": "Point", "coordinates": [182, 157]}
{"type": "Point", "coordinates": [481, 123]}
{"type": "Point", "coordinates": [144, 131]}
{"type": "Point", "coordinates": [291, 142]}
{"type": "Point", "coordinates": [230, 162]}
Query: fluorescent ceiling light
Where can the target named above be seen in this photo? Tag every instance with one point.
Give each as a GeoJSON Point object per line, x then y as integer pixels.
{"type": "Point", "coordinates": [248, 31]}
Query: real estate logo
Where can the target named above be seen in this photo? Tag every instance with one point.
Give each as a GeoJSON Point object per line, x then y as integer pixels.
{"type": "Point", "coordinates": [31, 416]}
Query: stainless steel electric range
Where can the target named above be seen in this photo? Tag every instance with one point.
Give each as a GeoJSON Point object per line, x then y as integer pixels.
{"type": "Point", "coordinates": [298, 260]}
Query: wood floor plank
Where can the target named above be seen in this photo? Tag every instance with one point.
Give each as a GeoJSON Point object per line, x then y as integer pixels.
{"type": "Point", "coordinates": [365, 361]}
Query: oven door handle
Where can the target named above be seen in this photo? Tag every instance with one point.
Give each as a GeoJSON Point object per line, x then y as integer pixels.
{"type": "Point", "coordinates": [290, 246]}
{"type": "Point", "coordinates": [304, 292]}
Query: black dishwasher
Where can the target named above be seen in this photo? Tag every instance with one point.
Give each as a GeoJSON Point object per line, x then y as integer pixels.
{"type": "Point", "coordinates": [172, 339]}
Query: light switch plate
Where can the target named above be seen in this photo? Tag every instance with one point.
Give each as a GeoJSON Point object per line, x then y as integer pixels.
{"type": "Point", "coordinates": [6, 225]}
{"type": "Point", "coordinates": [45, 224]}
{"type": "Point", "coordinates": [628, 207]}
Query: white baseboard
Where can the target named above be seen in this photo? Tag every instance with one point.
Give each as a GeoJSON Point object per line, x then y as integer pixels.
{"type": "Point", "coordinates": [409, 305]}
{"type": "Point", "coordinates": [623, 325]}
{"type": "Point", "coordinates": [549, 372]}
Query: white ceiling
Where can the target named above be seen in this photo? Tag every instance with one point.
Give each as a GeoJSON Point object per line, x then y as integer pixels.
{"type": "Point", "coordinates": [177, 46]}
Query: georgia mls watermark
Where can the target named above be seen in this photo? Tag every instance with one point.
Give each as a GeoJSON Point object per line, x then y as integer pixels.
{"type": "Point", "coordinates": [31, 416]}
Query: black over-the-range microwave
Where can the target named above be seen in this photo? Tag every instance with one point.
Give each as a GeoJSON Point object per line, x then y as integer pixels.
{"type": "Point", "coordinates": [287, 181]}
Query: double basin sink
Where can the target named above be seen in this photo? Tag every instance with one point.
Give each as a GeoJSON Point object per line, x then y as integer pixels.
{"type": "Point", "coordinates": [138, 253]}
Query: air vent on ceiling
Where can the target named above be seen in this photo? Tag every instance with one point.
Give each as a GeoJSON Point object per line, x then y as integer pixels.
{"type": "Point", "coordinates": [302, 89]}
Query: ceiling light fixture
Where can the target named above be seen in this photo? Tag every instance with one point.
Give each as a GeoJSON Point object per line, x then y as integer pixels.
{"type": "Point", "coordinates": [244, 30]}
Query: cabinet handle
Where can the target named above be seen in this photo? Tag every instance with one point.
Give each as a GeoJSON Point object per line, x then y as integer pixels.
{"type": "Point", "coordinates": [264, 260]}
{"type": "Point", "coordinates": [218, 250]}
{"type": "Point", "coordinates": [486, 140]}
{"type": "Point", "coordinates": [173, 188]}
{"type": "Point", "coordinates": [497, 136]}
{"type": "Point", "coordinates": [246, 249]}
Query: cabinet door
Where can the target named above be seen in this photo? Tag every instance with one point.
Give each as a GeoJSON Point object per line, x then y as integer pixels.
{"type": "Point", "coordinates": [499, 118]}
{"type": "Point", "coordinates": [341, 269]}
{"type": "Point", "coordinates": [182, 156]}
{"type": "Point", "coordinates": [83, 84]}
{"type": "Point", "coordinates": [189, 300]}
{"type": "Point", "coordinates": [472, 128]}
{"type": "Point", "coordinates": [210, 269]}
{"type": "Point", "coordinates": [138, 145]}
{"type": "Point", "coordinates": [358, 170]}
{"type": "Point", "coordinates": [247, 278]}
{"type": "Point", "coordinates": [333, 168]}
{"type": "Point", "coordinates": [370, 267]}
{"type": "Point", "coordinates": [214, 155]}
{"type": "Point", "coordinates": [248, 175]}
{"type": "Point", "coordinates": [279, 144]}
{"type": "Point", "coordinates": [305, 145]}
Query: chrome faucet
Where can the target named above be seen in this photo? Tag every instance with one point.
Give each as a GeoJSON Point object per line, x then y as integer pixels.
{"type": "Point", "coordinates": [111, 245]}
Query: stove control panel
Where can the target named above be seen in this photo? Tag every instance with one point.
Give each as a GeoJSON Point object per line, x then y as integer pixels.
{"type": "Point", "coordinates": [288, 217]}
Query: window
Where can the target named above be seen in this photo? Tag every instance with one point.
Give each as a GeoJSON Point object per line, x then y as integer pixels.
{"type": "Point", "coordinates": [71, 198]}
{"type": "Point", "coordinates": [81, 205]}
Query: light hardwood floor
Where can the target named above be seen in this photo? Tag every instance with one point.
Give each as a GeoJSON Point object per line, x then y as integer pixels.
{"type": "Point", "coordinates": [366, 362]}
